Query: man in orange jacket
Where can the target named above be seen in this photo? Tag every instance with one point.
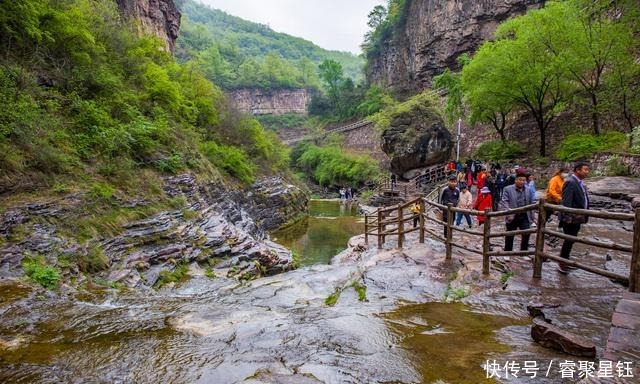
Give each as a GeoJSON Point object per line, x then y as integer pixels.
{"type": "Point", "coordinates": [554, 189]}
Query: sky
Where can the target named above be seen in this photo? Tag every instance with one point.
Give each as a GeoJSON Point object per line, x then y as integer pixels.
{"type": "Point", "coordinates": [332, 24]}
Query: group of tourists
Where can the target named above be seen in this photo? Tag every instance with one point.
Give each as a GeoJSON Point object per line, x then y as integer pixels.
{"type": "Point", "coordinates": [346, 194]}
{"type": "Point", "coordinates": [499, 189]}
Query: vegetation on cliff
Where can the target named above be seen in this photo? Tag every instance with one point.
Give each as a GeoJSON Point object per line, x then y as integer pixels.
{"type": "Point", "coordinates": [383, 21]}
{"type": "Point", "coordinates": [85, 98]}
{"type": "Point", "coordinates": [578, 55]}
{"type": "Point", "coordinates": [240, 53]}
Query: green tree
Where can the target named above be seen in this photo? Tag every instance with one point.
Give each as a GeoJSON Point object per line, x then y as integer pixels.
{"type": "Point", "coordinates": [332, 77]}
{"type": "Point", "coordinates": [518, 69]}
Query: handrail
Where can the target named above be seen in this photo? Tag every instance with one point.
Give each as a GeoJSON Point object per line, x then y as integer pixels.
{"type": "Point", "coordinates": [394, 218]}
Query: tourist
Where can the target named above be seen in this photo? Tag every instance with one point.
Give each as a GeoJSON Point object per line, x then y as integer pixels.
{"type": "Point", "coordinates": [481, 178]}
{"type": "Point", "coordinates": [553, 194]}
{"type": "Point", "coordinates": [574, 195]}
{"type": "Point", "coordinates": [462, 175]}
{"type": "Point", "coordinates": [516, 196]}
{"type": "Point", "coordinates": [415, 210]}
{"type": "Point", "coordinates": [531, 185]}
{"type": "Point", "coordinates": [343, 193]}
{"type": "Point", "coordinates": [501, 182]}
{"type": "Point", "coordinates": [483, 201]}
{"type": "Point", "coordinates": [450, 195]}
{"type": "Point", "coordinates": [465, 202]}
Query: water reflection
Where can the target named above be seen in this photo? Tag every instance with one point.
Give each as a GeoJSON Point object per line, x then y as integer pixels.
{"type": "Point", "coordinates": [324, 233]}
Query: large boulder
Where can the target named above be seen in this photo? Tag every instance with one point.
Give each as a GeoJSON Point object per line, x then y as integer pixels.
{"type": "Point", "coordinates": [416, 137]}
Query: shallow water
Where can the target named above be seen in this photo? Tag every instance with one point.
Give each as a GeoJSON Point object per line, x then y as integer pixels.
{"type": "Point", "coordinates": [323, 234]}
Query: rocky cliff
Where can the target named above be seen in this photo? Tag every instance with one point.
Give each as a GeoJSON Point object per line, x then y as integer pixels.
{"type": "Point", "coordinates": [258, 101]}
{"type": "Point", "coordinates": [432, 36]}
{"type": "Point", "coordinates": [159, 17]}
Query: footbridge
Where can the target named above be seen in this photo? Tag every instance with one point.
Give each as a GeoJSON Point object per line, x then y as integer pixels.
{"type": "Point", "coordinates": [341, 129]}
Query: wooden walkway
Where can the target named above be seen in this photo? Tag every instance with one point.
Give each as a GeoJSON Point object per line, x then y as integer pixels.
{"type": "Point", "coordinates": [624, 336]}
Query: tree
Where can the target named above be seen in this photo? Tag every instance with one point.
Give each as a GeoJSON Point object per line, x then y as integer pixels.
{"type": "Point", "coordinates": [517, 69]}
{"type": "Point", "coordinates": [332, 76]}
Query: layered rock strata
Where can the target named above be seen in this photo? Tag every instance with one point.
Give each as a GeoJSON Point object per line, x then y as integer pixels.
{"type": "Point", "coordinates": [214, 226]}
{"type": "Point", "coordinates": [258, 101]}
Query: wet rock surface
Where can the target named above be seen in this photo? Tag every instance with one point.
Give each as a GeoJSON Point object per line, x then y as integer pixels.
{"type": "Point", "coordinates": [224, 228]}
{"type": "Point", "coordinates": [621, 188]}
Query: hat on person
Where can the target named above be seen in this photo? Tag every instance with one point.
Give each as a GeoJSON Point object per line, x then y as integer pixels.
{"type": "Point", "coordinates": [516, 167]}
{"type": "Point", "coordinates": [521, 172]}
{"type": "Point", "coordinates": [452, 177]}
{"type": "Point", "coordinates": [485, 190]}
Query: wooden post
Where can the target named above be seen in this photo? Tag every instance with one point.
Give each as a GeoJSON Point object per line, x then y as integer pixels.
{"type": "Point", "coordinates": [400, 227]}
{"type": "Point", "coordinates": [449, 231]}
{"type": "Point", "coordinates": [542, 223]}
{"type": "Point", "coordinates": [379, 229]}
{"type": "Point", "coordinates": [422, 210]}
{"type": "Point", "coordinates": [486, 231]}
{"type": "Point", "coordinates": [634, 276]}
{"type": "Point", "coordinates": [366, 229]}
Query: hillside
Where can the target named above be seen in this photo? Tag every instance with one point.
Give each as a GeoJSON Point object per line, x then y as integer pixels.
{"type": "Point", "coordinates": [241, 48]}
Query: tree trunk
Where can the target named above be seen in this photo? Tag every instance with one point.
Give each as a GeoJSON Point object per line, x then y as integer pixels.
{"type": "Point", "coordinates": [595, 118]}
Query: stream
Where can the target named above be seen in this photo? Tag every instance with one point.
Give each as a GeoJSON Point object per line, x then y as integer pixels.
{"type": "Point", "coordinates": [279, 329]}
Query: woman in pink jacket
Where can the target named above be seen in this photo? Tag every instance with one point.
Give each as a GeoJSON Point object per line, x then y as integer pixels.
{"type": "Point", "coordinates": [484, 201]}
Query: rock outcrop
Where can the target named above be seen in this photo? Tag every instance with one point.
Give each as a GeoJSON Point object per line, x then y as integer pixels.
{"type": "Point", "coordinates": [159, 17]}
{"type": "Point", "coordinates": [215, 225]}
{"type": "Point", "coordinates": [416, 139]}
{"type": "Point", "coordinates": [433, 35]}
{"type": "Point", "coordinates": [258, 101]}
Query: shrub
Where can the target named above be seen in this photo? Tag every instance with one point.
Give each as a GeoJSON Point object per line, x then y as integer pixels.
{"type": "Point", "coordinates": [171, 164]}
{"type": "Point", "coordinates": [331, 166]}
{"type": "Point", "coordinates": [101, 191]}
{"type": "Point", "coordinates": [634, 140]}
{"type": "Point", "coordinates": [615, 167]}
{"type": "Point", "coordinates": [38, 270]}
{"type": "Point", "coordinates": [176, 275]}
{"type": "Point", "coordinates": [497, 150]}
{"type": "Point", "coordinates": [232, 160]}
{"type": "Point", "coordinates": [584, 145]}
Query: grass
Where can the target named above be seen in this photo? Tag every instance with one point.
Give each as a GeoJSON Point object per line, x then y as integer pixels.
{"type": "Point", "coordinates": [456, 294]}
{"type": "Point", "coordinates": [506, 276]}
{"type": "Point", "coordinates": [40, 272]}
{"type": "Point", "coordinates": [174, 276]}
{"type": "Point", "coordinates": [332, 299]}
{"type": "Point", "coordinates": [361, 290]}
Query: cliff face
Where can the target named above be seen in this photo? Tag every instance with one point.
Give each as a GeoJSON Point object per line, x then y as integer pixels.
{"type": "Point", "coordinates": [274, 101]}
{"type": "Point", "coordinates": [435, 33]}
{"type": "Point", "coordinates": [159, 17]}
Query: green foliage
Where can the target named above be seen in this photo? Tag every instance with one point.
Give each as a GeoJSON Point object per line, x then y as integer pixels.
{"type": "Point", "coordinates": [238, 53]}
{"type": "Point", "coordinates": [95, 98]}
{"type": "Point", "coordinates": [332, 166]}
{"type": "Point", "coordinates": [426, 102]}
{"type": "Point", "coordinates": [361, 290]}
{"type": "Point", "coordinates": [171, 164]}
{"type": "Point", "coordinates": [634, 139]}
{"type": "Point", "coordinates": [39, 271]}
{"type": "Point", "coordinates": [456, 294]}
{"type": "Point", "coordinates": [101, 191]}
{"type": "Point", "coordinates": [450, 82]}
{"type": "Point", "coordinates": [166, 276]}
{"type": "Point", "coordinates": [583, 145]}
{"type": "Point", "coordinates": [332, 299]}
{"type": "Point", "coordinates": [497, 150]}
{"type": "Point", "coordinates": [569, 53]}
{"type": "Point", "coordinates": [93, 260]}
{"type": "Point", "coordinates": [232, 160]}
{"type": "Point", "coordinates": [383, 21]}
{"type": "Point", "coordinates": [506, 276]}
{"type": "Point", "coordinates": [615, 167]}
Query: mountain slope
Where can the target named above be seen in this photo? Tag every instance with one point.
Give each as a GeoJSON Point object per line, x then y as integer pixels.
{"type": "Point", "coordinates": [238, 39]}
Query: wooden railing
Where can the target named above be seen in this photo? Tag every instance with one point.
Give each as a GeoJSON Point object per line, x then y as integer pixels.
{"type": "Point", "coordinates": [391, 222]}
{"type": "Point", "coordinates": [413, 187]}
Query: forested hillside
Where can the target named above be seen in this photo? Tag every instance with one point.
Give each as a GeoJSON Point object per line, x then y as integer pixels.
{"type": "Point", "coordinates": [87, 103]}
{"type": "Point", "coordinates": [241, 53]}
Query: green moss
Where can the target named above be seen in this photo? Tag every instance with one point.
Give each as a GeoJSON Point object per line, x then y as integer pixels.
{"type": "Point", "coordinates": [39, 271]}
{"type": "Point", "coordinates": [456, 294]}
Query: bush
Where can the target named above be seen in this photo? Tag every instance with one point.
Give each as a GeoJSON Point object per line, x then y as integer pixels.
{"type": "Point", "coordinates": [101, 191]}
{"type": "Point", "coordinates": [332, 166]}
{"type": "Point", "coordinates": [232, 160]}
{"type": "Point", "coordinates": [497, 150]}
{"type": "Point", "coordinates": [583, 145]}
{"type": "Point", "coordinates": [174, 276]}
{"type": "Point", "coordinates": [615, 167]}
{"type": "Point", "coordinates": [38, 270]}
{"type": "Point", "coordinates": [172, 164]}
{"type": "Point", "coordinates": [634, 140]}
